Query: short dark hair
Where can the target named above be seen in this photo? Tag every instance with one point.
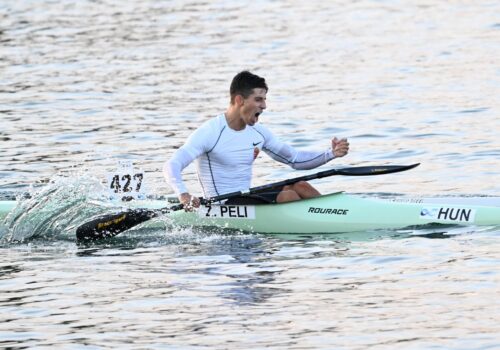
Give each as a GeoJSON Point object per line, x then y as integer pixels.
{"type": "Point", "coordinates": [243, 84]}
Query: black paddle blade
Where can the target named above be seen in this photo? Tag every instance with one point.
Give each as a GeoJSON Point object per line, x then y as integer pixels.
{"type": "Point", "coordinates": [375, 170]}
{"type": "Point", "coordinates": [110, 225]}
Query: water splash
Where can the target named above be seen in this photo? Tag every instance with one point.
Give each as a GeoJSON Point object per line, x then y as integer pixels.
{"type": "Point", "coordinates": [53, 211]}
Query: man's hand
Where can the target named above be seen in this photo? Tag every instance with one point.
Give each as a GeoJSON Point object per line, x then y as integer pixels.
{"type": "Point", "coordinates": [189, 201]}
{"type": "Point", "coordinates": [340, 147]}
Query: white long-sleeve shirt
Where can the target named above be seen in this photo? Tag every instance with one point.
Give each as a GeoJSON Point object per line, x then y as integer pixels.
{"type": "Point", "coordinates": [224, 157]}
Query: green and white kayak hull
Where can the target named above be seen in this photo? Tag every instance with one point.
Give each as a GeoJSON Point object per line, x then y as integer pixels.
{"type": "Point", "coordinates": [332, 213]}
{"type": "Point", "coordinates": [336, 213]}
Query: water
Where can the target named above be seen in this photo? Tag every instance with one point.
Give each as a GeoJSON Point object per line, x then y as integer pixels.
{"type": "Point", "coordinates": [86, 84]}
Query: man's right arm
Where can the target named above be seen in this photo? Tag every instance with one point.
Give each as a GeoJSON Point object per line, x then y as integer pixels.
{"type": "Point", "coordinates": [195, 145]}
{"type": "Point", "coordinates": [172, 170]}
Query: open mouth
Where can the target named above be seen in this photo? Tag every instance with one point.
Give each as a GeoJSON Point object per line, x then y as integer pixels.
{"type": "Point", "coordinates": [257, 114]}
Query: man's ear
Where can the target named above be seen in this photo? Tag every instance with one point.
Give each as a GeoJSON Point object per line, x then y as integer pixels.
{"type": "Point", "coordinates": [239, 100]}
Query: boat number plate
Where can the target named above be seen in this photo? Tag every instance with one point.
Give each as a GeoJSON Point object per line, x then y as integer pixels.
{"type": "Point", "coordinates": [227, 211]}
{"type": "Point", "coordinates": [126, 182]}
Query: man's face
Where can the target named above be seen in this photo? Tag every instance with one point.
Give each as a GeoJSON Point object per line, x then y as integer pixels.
{"type": "Point", "coordinates": [253, 106]}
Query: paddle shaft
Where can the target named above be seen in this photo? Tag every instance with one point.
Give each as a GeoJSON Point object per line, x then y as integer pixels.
{"type": "Point", "coordinates": [353, 171]}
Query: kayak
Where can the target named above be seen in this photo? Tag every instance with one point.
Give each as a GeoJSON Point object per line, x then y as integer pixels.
{"type": "Point", "coordinates": [341, 212]}
{"type": "Point", "coordinates": [332, 213]}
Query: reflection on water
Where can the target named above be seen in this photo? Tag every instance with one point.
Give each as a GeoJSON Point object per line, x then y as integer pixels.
{"type": "Point", "coordinates": [225, 291]}
{"type": "Point", "coordinates": [87, 83]}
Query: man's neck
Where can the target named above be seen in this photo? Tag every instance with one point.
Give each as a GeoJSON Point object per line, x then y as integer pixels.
{"type": "Point", "coordinates": [234, 120]}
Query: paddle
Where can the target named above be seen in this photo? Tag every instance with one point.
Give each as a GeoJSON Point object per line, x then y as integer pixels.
{"type": "Point", "coordinates": [111, 225]}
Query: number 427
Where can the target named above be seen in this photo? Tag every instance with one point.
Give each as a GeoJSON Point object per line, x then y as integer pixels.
{"type": "Point", "coordinates": [125, 183]}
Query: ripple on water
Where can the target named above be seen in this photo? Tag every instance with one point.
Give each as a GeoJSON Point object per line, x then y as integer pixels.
{"type": "Point", "coordinates": [86, 83]}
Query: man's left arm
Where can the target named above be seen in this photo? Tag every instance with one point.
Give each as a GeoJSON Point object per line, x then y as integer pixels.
{"type": "Point", "coordinates": [304, 160]}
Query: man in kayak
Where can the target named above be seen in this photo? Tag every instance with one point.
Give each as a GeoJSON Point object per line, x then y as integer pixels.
{"type": "Point", "coordinates": [226, 146]}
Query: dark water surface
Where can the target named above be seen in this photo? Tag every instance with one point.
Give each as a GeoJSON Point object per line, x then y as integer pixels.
{"type": "Point", "coordinates": [84, 85]}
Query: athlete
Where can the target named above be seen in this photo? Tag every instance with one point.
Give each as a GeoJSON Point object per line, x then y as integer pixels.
{"type": "Point", "coordinates": [226, 146]}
